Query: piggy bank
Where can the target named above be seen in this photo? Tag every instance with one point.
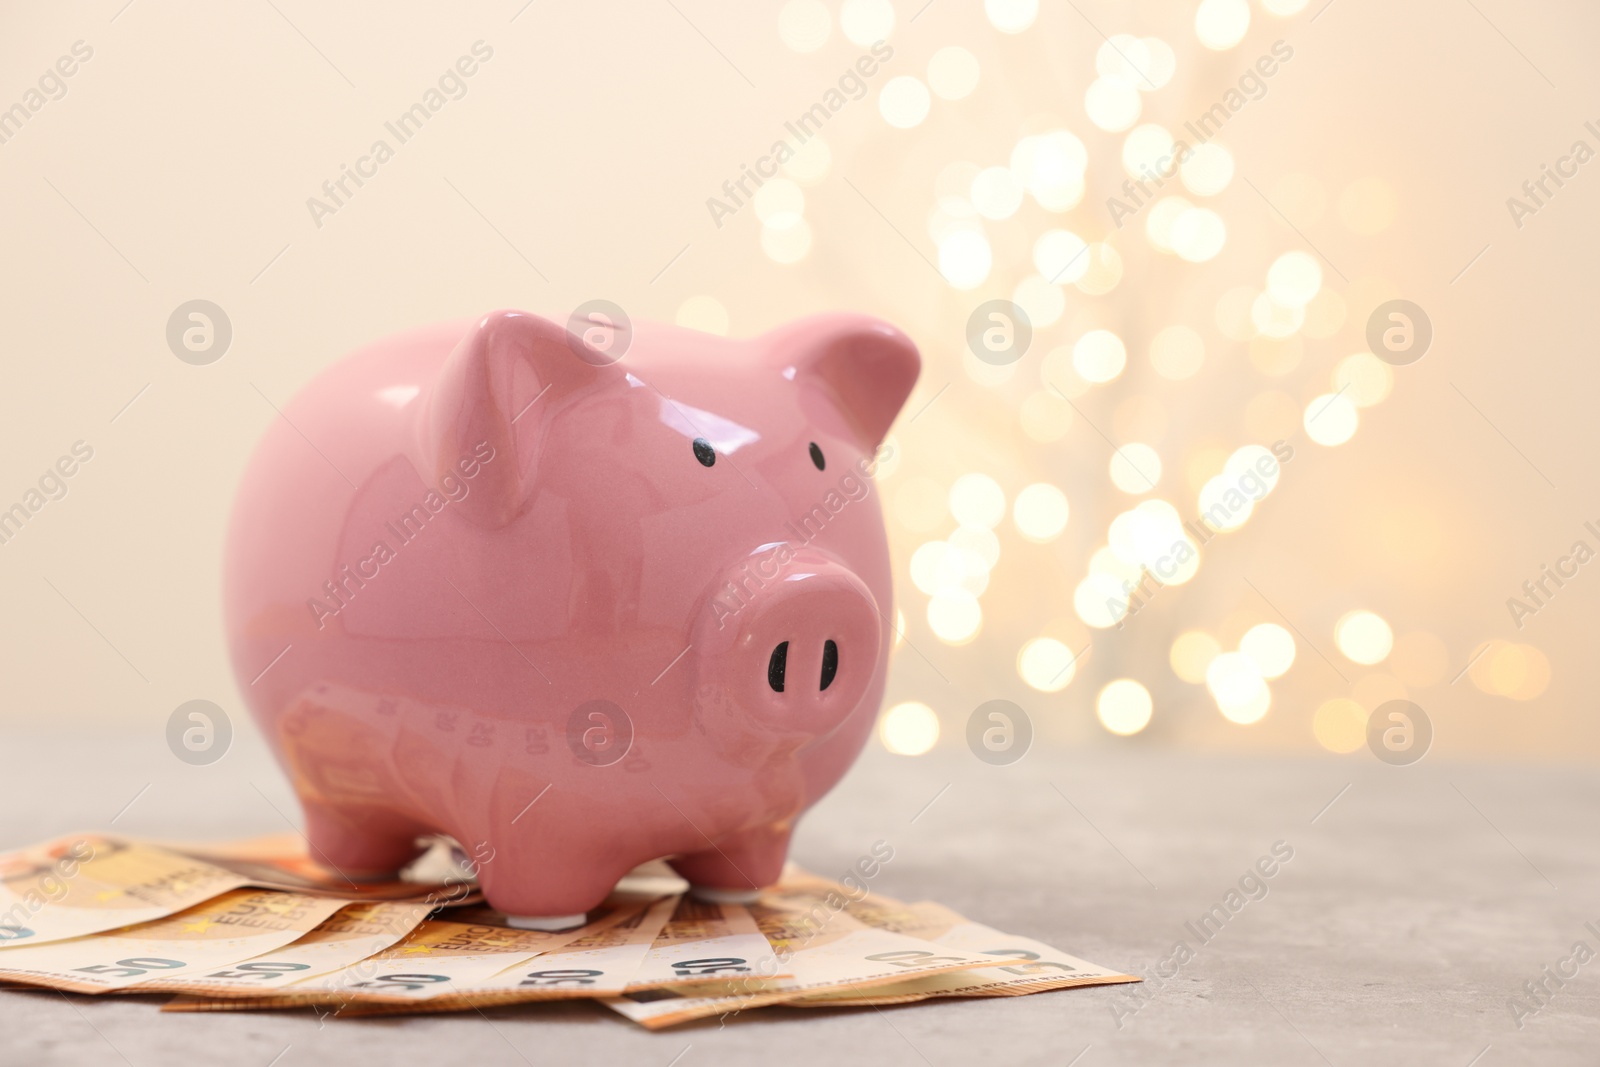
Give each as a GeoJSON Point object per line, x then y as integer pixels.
{"type": "Point", "coordinates": [579, 600]}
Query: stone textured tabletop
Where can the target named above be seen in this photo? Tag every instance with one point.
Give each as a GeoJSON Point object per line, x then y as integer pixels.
{"type": "Point", "coordinates": [1416, 904]}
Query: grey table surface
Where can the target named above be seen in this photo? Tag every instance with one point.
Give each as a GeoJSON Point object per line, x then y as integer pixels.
{"type": "Point", "coordinates": [1418, 902]}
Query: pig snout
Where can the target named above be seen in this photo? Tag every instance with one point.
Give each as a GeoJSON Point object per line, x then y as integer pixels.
{"type": "Point", "coordinates": [788, 649]}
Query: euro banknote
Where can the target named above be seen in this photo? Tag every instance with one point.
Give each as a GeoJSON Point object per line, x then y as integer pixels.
{"type": "Point", "coordinates": [1031, 967]}
{"type": "Point", "coordinates": [259, 924]}
{"type": "Point", "coordinates": [824, 951]}
{"type": "Point", "coordinates": [454, 966]}
{"type": "Point", "coordinates": [238, 925]}
{"type": "Point", "coordinates": [88, 883]}
{"type": "Point", "coordinates": [344, 939]}
{"type": "Point", "coordinates": [1037, 967]}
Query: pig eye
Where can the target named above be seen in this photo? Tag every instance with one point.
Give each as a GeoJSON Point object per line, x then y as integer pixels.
{"type": "Point", "coordinates": [704, 452]}
{"type": "Point", "coordinates": [816, 457]}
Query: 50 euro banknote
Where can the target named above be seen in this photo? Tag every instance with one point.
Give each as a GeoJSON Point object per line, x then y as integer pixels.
{"type": "Point", "coordinates": [449, 965]}
{"type": "Point", "coordinates": [669, 962]}
{"type": "Point", "coordinates": [91, 883]}
{"type": "Point", "coordinates": [679, 942]}
{"type": "Point", "coordinates": [286, 861]}
{"type": "Point", "coordinates": [818, 925]}
{"type": "Point", "coordinates": [1029, 966]}
{"type": "Point", "coordinates": [238, 925]}
{"type": "Point", "coordinates": [1033, 966]}
{"type": "Point", "coordinates": [600, 962]}
{"type": "Point", "coordinates": [344, 939]}
{"type": "Point", "coordinates": [656, 959]}
{"type": "Point", "coordinates": [821, 949]}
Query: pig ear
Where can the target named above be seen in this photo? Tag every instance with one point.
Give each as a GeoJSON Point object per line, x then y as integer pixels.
{"type": "Point", "coordinates": [867, 365]}
{"type": "Point", "coordinates": [497, 390]}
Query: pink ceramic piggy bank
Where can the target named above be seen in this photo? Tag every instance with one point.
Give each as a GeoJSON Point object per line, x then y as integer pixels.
{"type": "Point", "coordinates": [577, 611]}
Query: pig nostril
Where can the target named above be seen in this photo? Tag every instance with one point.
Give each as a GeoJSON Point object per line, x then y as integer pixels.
{"type": "Point", "coordinates": [777, 665]}
{"type": "Point", "coordinates": [830, 662]}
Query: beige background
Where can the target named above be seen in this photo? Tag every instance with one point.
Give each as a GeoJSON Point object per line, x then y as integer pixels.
{"type": "Point", "coordinates": [193, 137]}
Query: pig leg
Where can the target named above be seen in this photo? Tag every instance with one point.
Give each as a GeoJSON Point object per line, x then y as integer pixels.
{"type": "Point", "coordinates": [363, 844]}
{"type": "Point", "coordinates": [540, 887]}
{"type": "Point", "coordinates": [738, 867]}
